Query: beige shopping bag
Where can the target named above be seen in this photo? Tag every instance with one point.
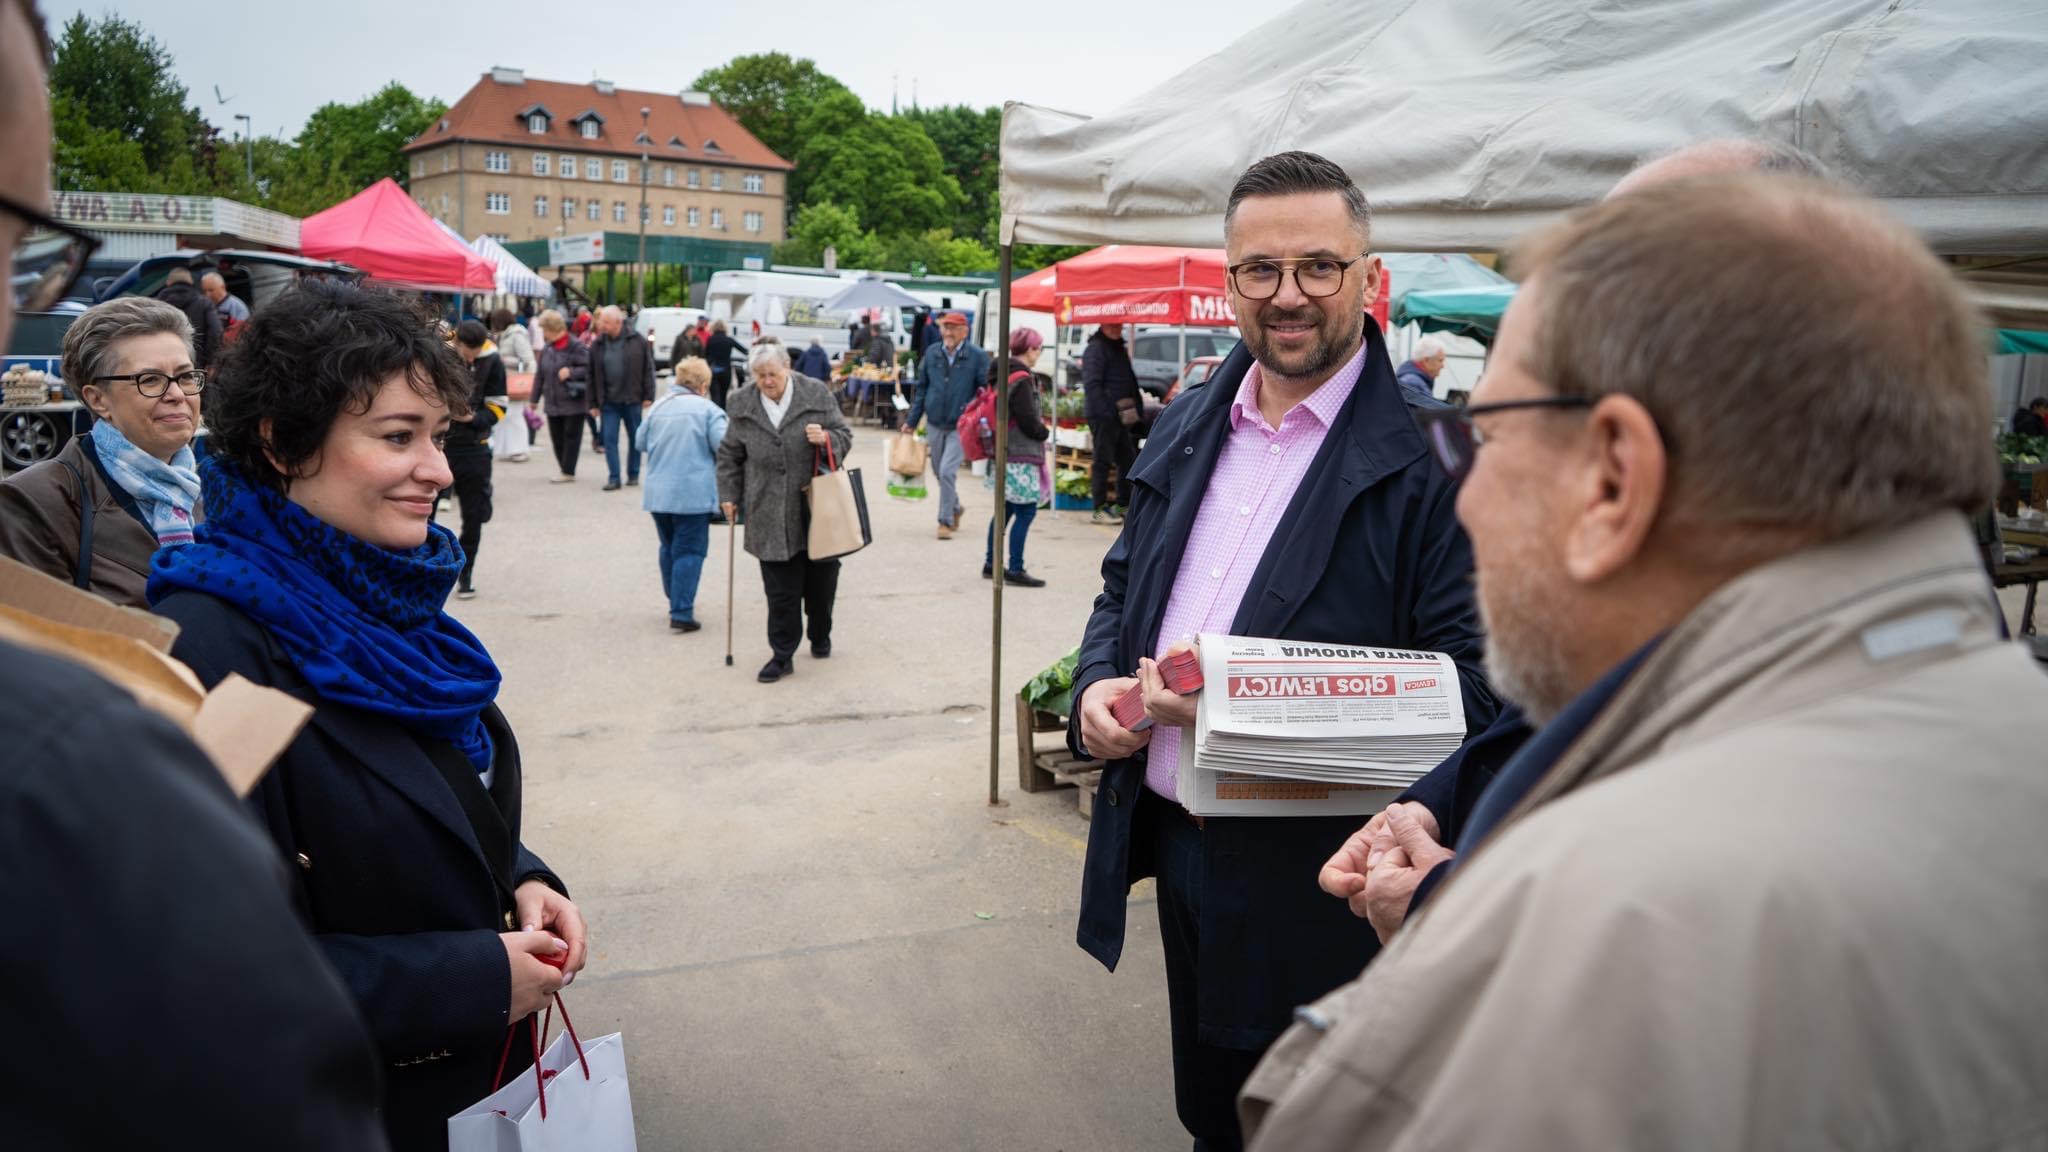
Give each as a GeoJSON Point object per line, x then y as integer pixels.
{"type": "Point", "coordinates": [839, 511]}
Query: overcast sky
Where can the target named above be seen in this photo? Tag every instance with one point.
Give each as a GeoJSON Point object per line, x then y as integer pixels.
{"type": "Point", "coordinates": [279, 61]}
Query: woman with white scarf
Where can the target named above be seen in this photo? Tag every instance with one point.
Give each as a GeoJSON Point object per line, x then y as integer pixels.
{"type": "Point", "coordinates": [97, 512]}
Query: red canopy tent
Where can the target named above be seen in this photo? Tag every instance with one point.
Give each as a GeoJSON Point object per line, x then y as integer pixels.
{"type": "Point", "coordinates": [1138, 284]}
{"type": "Point", "coordinates": [392, 239]}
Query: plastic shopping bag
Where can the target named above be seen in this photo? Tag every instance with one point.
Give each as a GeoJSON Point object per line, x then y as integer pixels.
{"type": "Point", "coordinates": [574, 1099]}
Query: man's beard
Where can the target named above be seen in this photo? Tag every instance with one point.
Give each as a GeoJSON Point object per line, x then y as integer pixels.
{"type": "Point", "coordinates": [1333, 345]}
{"type": "Point", "coordinates": [1525, 656]}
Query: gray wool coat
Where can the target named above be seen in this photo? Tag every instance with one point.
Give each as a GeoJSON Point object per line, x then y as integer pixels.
{"type": "Point", "coordinates": [764, 469]}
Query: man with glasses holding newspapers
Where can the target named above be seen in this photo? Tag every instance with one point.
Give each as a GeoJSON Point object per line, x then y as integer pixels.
{"type": "Point", "coordinates": [1292, 497]}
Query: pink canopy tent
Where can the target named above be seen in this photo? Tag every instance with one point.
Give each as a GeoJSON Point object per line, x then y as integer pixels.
{"type": "Point", "coordinates": [392, 239]}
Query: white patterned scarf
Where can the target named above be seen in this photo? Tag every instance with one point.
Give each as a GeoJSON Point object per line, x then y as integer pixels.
{"type": "Point", "coordinates": [165, 492]}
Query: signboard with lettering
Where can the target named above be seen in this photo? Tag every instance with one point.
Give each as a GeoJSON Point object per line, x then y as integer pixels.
{"type": "Point", "coordinates": [587, 248]}
{"type": "Point", "coordinates": [178, 215]}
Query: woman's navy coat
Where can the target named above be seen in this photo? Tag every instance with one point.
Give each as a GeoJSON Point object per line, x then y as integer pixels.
{"type": "Point", "coordinates": [388, 876]}
{"type": "Point", "coordinates": [1369, 552]}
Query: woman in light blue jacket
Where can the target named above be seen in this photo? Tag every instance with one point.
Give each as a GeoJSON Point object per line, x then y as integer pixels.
{"type": "Point", "coordinates": [679, 483]}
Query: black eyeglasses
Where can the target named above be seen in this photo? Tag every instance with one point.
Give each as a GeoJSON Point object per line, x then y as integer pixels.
{"type": "Point", "coordinates": [48, 258]}
{"type": "Point", "coordinates": [1316, 276]}
{"type": "Point", "coordinates": [1455, 440]}
{"type": "Point", "coordinates": [191, 381]}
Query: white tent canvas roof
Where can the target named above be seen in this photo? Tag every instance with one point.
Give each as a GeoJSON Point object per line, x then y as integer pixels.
{"type": "Point", "coordinates": [1468, 122]}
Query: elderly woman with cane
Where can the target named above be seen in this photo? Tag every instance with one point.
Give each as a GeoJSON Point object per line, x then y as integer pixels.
{"type": "Point", "coordinates": [681, 434]}
{"type": "Point", "coordinates": [783, 426]}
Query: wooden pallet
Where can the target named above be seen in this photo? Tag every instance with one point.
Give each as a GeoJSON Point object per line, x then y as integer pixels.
{"type": "Point", "coordinates": [1043, 760]}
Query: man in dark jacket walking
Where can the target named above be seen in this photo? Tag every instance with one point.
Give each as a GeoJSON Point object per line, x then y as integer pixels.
{"type": "Point", "coordinates": [180, 293]}
{"type": "Point", "coordinates": [947, 379]}
{"type": "Point", "coordinates": [718, 350]}
{"type": "Point", "coordinates": [621, 387]}
{"type": "Point", "coordinates": [469, 443]}
{"type": "Point", "coordinates": [1292, 497]}
{"type": "Point", "coordinates": [1109, 386]}
{"type": "Point", "coordinates": [1418, 373]}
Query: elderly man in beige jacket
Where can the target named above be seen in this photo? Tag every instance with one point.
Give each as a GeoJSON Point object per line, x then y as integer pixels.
{"type": "Point", "coordinates": [1779, 880]}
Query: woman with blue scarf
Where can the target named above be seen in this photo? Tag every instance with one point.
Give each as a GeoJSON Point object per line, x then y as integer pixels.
{"type": "Point", "coordinates": [317, 572]}
{"type": "Point", "coordinates": [94, 514]}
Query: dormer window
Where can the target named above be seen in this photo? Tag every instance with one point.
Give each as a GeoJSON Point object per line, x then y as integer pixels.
{"type": "Point", "coordinates": [712, 146]}
{"type": "Point", "coordinates": [676, 142]}
{"type": "Point", "coordinates": [537, 124]}
{"type": "Point", "coordinates": [588, 123]}
{"type": "Point", "coordinates": [589, 129]}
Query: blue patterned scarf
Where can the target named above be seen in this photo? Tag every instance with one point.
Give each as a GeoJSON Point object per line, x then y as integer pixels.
{"type": "Point", "coordinates": [164, 492]}
{"type": "Point", "coordinates": [363, 624]}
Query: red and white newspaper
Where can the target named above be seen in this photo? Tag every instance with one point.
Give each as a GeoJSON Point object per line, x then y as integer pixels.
{"type": "Point", "coordinates": [1288, 728]}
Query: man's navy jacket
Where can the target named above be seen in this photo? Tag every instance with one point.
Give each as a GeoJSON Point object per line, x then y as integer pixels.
{"type": "Point", "coordinates": [1369, 552]}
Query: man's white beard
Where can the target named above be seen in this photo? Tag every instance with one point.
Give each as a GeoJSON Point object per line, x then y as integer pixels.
{"type": "Point", "coordinates": [1525, 661]}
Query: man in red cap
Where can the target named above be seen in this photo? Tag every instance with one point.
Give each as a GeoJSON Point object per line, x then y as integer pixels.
{"type": "Point", "coordinates": [946, 381]}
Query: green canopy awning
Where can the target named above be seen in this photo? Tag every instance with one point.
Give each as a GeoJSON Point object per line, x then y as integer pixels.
{"type": "Point", "coordinates": [1473, 312]}
{"type": "Point", "coordinates": [2018, 342]}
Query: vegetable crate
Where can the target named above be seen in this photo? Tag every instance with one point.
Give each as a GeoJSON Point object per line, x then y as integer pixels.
{"type": "Point", "coordinates": [1043, 761]}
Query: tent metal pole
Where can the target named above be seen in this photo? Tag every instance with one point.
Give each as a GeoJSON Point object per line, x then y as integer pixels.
{"type": "Point", "coordinates": [998, 558]}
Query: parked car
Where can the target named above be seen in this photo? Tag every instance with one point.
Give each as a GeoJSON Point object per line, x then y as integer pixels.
{"type": "Point", "coordinates": [661, 326]}
{"type": "Point", "coordinates": [1156, 353]}
{"type": "Point", "coordinates": [256, 277]}
{"type": "Point", "coordinates": [1197, 372]}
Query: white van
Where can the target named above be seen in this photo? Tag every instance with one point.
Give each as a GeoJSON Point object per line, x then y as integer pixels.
{"type": "Point", "coordinates": [661, 326]}
{"type": "Point", "coordinates": [786, 305]}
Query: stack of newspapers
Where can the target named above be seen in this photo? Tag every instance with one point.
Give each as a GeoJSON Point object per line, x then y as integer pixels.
{"type": "Point", "coordinates": [1285, 727]}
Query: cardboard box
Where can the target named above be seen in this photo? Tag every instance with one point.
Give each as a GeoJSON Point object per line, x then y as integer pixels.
{"type": "Point", "coordinates": [242, 727]}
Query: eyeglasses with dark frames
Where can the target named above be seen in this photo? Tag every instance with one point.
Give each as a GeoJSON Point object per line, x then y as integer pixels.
{"type": "Point", "coordinates": [1316, 276]}
{"type": "Point", "coordinates": [1456, 440]}
{"type": "Point", "coordinates": [49, 257]}
{"type": "Point", "coordinates": [191, 381]}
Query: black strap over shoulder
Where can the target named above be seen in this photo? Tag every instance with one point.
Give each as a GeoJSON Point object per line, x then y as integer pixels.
{"type": "Point", "coordinates": [485, 821]}
{"type": "Point", "coordinates": [82, 572]}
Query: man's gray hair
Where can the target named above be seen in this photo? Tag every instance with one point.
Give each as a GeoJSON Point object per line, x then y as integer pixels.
{"type": "Point", "coordinates": [611, 310]}
{"type": "Point", "coordinates": [213, 278]}
{"type": "Point", "coordinates": [766, 353]}
{"type": "Point", "coordinates": [1729, 154]}
{"type": "Point", "coordinates": [1428, 348]}
{"type": "Point", "coordinates": [92, 343]}
{"type": "Point", "coordinates": [1295, 173]}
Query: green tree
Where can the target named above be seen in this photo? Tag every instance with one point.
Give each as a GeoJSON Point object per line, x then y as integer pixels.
{"type": "Point", "coordinates": [771, 95]}
{"type": "Point", "coordinates": [821, 226]}
{"type": "Point", "coordinates": [885, 169]}
{"type": "Point", "coordinates": [968, 140]}
{"type": "Point", "coordinates": [345, 148]}
{"type": "Point", "coordinates": [120, 118]}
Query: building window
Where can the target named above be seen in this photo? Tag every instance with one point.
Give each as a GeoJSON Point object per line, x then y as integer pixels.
{"type": "Point", "coordinates": [752, 221]}
{"type": "Point", "coordinates": [692, 217]}
{"type": "Point", "coordinates": [447, 158]}
{"type": "Point", "coordinates": [696, 179]}
{"type": "Point", "coordinates": [753, 182]}
{"type": "Point", "coordinates": [540, 206]}
{"type": "Point", "coordinates": [540, 163]}
{"type": "Point", "coordinates": [497, 161]}
{"type": "Point", "coordinates": [668, 215]}
{"type": "Point", "coordinates": [419, 166]}
{"type": "Point", "coordinates": [593, 210]}
{"type": "Point", "coordinates": [668, 175]}
{"type": "Point", "coordinates": [537, 124]}
{"type": "Point", "coordinates": [593, 169]}
{"type": "Point", "coordinates": [618, 171]}
{"type": "Point", "coordinates": [568, 207]}
{"type": "Point", "coordinates": [568, 167]}
{"type": "Point", "coordinates": [717, 181]}
{"type": "Point", "coordinates": [498, 203]}
{"type": "Point", "coordinates": [590, 129]}
{"type": "Point", "coordinates": [619, 211]}
{"type": "Point", "coordinates": [718, 219]}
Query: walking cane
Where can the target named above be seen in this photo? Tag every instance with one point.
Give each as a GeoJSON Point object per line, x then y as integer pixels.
{"type": "Point", "coordinates": [732, 535]}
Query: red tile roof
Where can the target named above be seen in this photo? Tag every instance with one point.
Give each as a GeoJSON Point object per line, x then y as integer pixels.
{"type": "Point", "coordinates": [495, 112]}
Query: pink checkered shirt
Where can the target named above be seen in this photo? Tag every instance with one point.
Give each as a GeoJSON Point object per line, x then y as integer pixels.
{"type": "Point", "coordinates": [1255, 478]}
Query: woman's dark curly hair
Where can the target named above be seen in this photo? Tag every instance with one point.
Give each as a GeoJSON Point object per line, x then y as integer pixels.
{"type": "Point", "coordinates": [323, 347]}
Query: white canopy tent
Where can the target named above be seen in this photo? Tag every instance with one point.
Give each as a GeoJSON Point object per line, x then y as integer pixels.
{"type": "Point", "coordinates": [1468, 122]}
